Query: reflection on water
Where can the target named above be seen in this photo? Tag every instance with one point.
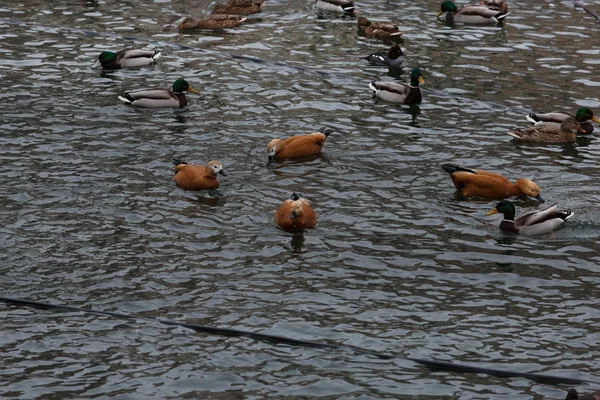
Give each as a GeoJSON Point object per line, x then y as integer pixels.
{"type": "Point", "coordinates": [398, 263]}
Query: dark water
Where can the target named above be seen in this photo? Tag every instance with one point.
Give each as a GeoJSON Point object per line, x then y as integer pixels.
{"type": "Point", "coordinates": [91, 216]}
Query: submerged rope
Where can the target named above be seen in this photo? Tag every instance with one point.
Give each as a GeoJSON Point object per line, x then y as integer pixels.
{"type": "Point", "coordinates": [276, 339]}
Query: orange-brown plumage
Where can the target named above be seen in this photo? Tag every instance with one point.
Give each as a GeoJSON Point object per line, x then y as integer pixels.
{"type": "Point", "coordinates": [298, 146]}
{"type": "Point", "coordinates": [489, 184]}
{"type": "Point", "coordinates": [295, 214]}
{"type": "Point", "coordinates": [197, 177]}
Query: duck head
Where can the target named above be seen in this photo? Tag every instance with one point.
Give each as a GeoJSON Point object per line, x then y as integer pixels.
{"type": "Point", "coordinates": [416, 77]}
{"type": "Point", "coordinates": [585, 114]}
{"type": "Point", "coordinates": [181, 85]}
{"type": "Point", "coordinates": [571, 125]}
{"type": "Point", "coordinates": [214, 167]}
{"type": "Point", "coordinates": [447, 6]}
{"type": "Point", "coordinates": [273, 147]}
{"type": "Point", "coordinates": [504, 207]}
{"type": "Point", "coordinates": [296, 209]}
{"type": "Point", "coordinates": [529, 188]}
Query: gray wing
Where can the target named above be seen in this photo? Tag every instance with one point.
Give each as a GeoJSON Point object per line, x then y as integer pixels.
{"type": "Point", "coordinates": [157, 94]}
{"type": "Point", "coordinates": [478, 11]}
{"type": "Point", "coordinates": [138, 53]}
{"type": "Point", "coordinates": [536, 217]}
{"type": "Point", "coordinates": [556, 117]}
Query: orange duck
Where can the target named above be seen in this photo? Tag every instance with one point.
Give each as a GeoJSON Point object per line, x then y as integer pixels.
{"type": "Point", "coordinates": [197, 177]}
{"type": "Point", "coordinates": [295, 214]}
{"type": "Point", "coordinates": [472, 182]}
{"type": "Point", "coordinates": [298, 146]}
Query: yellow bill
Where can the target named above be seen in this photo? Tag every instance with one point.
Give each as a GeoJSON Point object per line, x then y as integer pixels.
{"type": "Point", "coordinates": [494, 211]}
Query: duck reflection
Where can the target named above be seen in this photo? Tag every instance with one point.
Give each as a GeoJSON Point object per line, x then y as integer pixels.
{"type": "Point", "coordinates": [297, 242]}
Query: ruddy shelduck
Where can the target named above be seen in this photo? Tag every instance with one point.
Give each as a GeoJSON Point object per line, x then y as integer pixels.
{"type": "Point", "coordinates": [298, 146]}
{"type": "Point", "coordinates": [197, 177]}
{"type": "Point", "coordinates": [295, 214]}
{"type": "Point", "coordinates": [481, 183]}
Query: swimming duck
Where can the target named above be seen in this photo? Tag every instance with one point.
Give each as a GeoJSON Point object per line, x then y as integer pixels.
{"type": "Point", "coordinates": [197, 177]}
{"type": "Point", "coordinates": [212, 21]}
{"type": "Point", "coordinates": [295, 214]}
{"type": "Point", "coordinates": [395, 92]}
{"type": "Point", "coordinates": [157, 98]}
{"type": "Point", "coordinates": [533, 223]}
{"type": "Point", "coordinates": [471, 14]}
{"type": "Point", "coordinates": [298, 146]}
{"type": "Point", "coordinates": [239, 7]}
{"type": "Point", "coordinates": [390, 58]}
{"type": "Point", "coordinates": [342, 6]}
{"type": "Point", "coordinates": [126, 58]}
{"type": "Point", "coordinates": [499, 4]}
{"type": "Point", "coordinates": [573, 395]}
{"type": "Point", "coordinates": [549, 133]}
{"type": "Point", "coordinates": [583, 116]}
{"type": "Point", "coordinates": [378, 30]}
{"type": "Point", "coordinates": [481, 183]}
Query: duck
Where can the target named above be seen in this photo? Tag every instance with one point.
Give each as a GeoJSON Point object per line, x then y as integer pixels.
{"type": "Point", "coordinates": [298, 146]}
{"type": "Point", "coordinates": [572, 394]}
{"type": "Point", "coordinates": [212, 21]}
{"type": "Point", "coordinates": [470, 182]}
{"type": "Point", "coordinates": [471, 14]}
{"type": "Point", "coordinates": [396, 92]}
{"type": "Point", "coordinates": [378, 30]}
{"type": "Point", "coordinates": [549, 133]}
{"type": "Point", "coordinates": [390, 58]}
{"type": "Point", "coordinates": [158, 97]}
{"type": "Point", "coordinates": [499, 4]}
{"type": "Point", "coordinates": [340, 6]}
{"type": "Point", "coordinates": [126, 58]}
{"type": "Point", "coordinates": [197, 177]}
{"type": "Point", "coordinates": [533, 223]}
{"type": "Point", "coordinates": [295, 214]}
{"type": "Point", "coordinates": [583, 116]}
{"type": "Point", "coordinates": [239, 7]}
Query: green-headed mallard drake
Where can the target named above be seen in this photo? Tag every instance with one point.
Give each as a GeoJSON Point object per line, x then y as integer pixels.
{"type": "Point", "coordinates": [390, 58]}
{"type": "Point", "coordinates": [158, 97]}
{"type": "Point", "coordinates": [239, 7]}
{"type": "Point", "coordinates": [295, 214]}
{"type": "Point", "coordinates": [533, 223]}
{"type": "Point", "coordinates": [395, 92]}
{"type": "Point", "coordinates": [126, 58]}
{"type": "Point", "coordinates": [583, 116]}
{"type": "Point", "coordinates": [340, 6]}
{"type": "Point", "coordinates": [197, 177]}
{"type": "Point", "coordinates": [499, 4]}
{"type": "Point", "coordinates": [378, 29]}
{"type": "Point", "coordinates": [212, 21]}
{"type": "Point", "coordinates": [471, 14]}
{"type": "Point", "coordinates": [470, 182]}
{"type": "Point", "coordinates": [549, 133]}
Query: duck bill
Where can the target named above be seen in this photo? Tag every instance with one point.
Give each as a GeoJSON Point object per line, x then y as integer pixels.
{"type": "Point", "coordinates": [581, 130]}
{"type": "Point", "coordinates": [192, 90]}
{"type": "Point", "coordinates": [293, 215]}
{"type": "Point", "coordinates": [596, 120]}
{"type": "Point", "coordinates": [221, 172]}
{"type": "Point", "coordinates": [539, 198]}
{"type": "Point", "coordinates": [421, 80]}
{"type": "Point", "coordinates": [494, 211]}
{"type": "Point", "coordinates": [440, 13]}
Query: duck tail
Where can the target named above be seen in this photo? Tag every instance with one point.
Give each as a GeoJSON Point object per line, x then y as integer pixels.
{"type": "Point", "coordinates": [296, 196]}
{"type": "Point", "coordinates": [565, 214]}
{"type": "Point", "coordinates": [501, 16]}
{"type": "Point", "coordinates": [325, 131]}
{"type": "Point", "coordinates": [125, 98]}
{"type": "Point", "coordinates": [516, 134]}
{"type": "Point", "coordinates": [348, 8]}
{"type": "Point", "coordinates": [157, 55]}
{"type": "Point", "coordinates": [452, 168]}
{"type": "Point", "coordinates": [178, 164]}
{"type": "Point", "coordinates": [531, 117]}
{"type": "Point", "coordinates": [373, 86]}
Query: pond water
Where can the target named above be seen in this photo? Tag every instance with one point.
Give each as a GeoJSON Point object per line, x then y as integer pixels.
{"type": "Point", "coordinates": [398, 263]}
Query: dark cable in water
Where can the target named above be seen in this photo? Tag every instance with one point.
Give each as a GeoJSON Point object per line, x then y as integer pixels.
{"type": "Point", "coordinates": [276, 339]}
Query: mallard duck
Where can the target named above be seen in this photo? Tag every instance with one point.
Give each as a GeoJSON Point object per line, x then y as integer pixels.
{"type": "Point", "coordinates": [481, 183]}
{"type": "Point", "coordinates": [533, 223]}
{"type": "Point", "coordinates": [549, 133]}
{"type": "Point", "coordinates": [157, 98]}
{"type": "Point", "coordinates": [471, 14]}
{"type": "Point", "coordinates": [378, 30]}
{"type": "Point", "coordinates": [212, 21]}
{"type": "Point", "coordinates": [126, 58]}
{"type": "Point", "coordinates": [295, 214]}
{"type": "Point", "coordinates": [572, 394]}
{"type": "Point", "coordinates": [298, 146]}
{"type": "Point", "coordinates": [583, 116]}
{"type": "Point", "coordinates": [341, 6]}
{"type": "Point", "coordinates": [197, 177]}
{"type": "Point", "coordinates": [395, 92]}
{"type": "Point", "coordinates": [390, 58]}
{"type": "Point", "coordinates": [499, 4]}
{"type": "Point", "coordinates": [239, 7]}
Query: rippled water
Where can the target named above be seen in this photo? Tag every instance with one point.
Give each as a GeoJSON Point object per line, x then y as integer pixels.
{"type": "Point", "coordinates": [398, 263]}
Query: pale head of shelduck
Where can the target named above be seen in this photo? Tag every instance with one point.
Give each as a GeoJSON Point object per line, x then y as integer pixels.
{"type": "Point", "coordinates": [214, 167]}
{"type": "Point", "coordinates": [273, 147]}
{"type": "Point", "coordinates": [296, 208]}
{"type": "Point", "coordinates": [529, 188]}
